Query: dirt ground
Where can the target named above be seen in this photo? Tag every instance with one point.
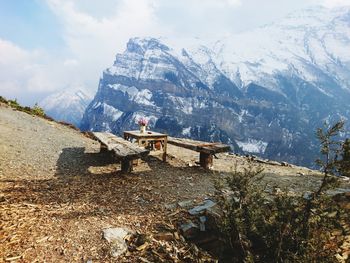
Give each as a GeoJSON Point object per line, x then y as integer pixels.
{"type": "Point", "coordinates": [58, 191]}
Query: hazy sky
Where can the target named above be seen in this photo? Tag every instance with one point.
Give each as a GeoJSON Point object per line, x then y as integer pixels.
{"type": "Point", "coordinates": [51, 45]}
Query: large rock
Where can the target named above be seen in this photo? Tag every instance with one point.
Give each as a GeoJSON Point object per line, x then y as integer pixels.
{"type": "Point", "coordinates": [201, 208]}
{"type": "Point", "coordinates": [116, 236]}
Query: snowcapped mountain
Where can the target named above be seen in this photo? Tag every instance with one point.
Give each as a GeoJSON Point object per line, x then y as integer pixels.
{"type": "Point", "coordinates": [263, 91]}
{"type": "Point", "coordinates": [68, 105]}
{"type": "Point", "coordinates": [313, 44]}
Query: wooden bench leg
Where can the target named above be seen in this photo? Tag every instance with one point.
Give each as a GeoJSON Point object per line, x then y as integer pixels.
{"type": "Point", "coordinates": [206, 160]}
{"type": "Point", "coordinates": [103, 148]}
{"type": "Point", "coordinates": [126, 165]}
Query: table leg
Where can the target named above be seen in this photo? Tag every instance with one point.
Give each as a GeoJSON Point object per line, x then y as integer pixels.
{"type": "Point", "coordinates": [165, 149]}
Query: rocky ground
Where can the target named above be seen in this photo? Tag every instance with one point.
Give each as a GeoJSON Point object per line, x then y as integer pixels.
{"type": "Point", "coordinates": [58, 192]}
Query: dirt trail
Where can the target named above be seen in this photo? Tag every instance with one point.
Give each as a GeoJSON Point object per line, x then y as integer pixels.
{"type": "Point", "coordinates": [58, 191]}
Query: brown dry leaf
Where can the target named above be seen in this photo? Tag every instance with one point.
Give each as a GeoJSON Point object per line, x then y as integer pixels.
{"type": "Point", "coordinates": [13, 258]}
{"type": "Point", "coordinates": [143, 247]}
{"type": "Point", "coordinates": [43, 239]}
{"type": "Point", "coordinates": [144, 260]}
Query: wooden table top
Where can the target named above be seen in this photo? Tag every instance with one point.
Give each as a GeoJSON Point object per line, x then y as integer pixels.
{"type": "Point", "coordinates": [121, 147]}
{"type": "Point", "coordinates": [147, 134]}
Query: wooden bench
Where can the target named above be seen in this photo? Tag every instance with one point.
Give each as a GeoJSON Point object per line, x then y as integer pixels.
{"type": "Point", "coordinates": [206, 149]}
{"type": "Point", "coordinates": [122, 149]}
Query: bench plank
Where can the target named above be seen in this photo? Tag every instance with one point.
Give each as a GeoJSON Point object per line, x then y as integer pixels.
{"type": "Point", "coordinates": [122, 148]}
{"type": "Point", "coordinates": [206, 149]}
{"type": "Point", "coordinates": [199, 146]}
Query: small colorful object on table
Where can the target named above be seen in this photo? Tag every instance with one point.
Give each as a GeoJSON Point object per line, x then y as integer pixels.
{"type": "Point", "coordinates": [143, 123]}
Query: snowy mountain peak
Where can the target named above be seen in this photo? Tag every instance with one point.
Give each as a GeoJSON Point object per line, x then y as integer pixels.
{"type": "Point", "coordinates": [140, 45]}
{"type": "Point", "coordinates": [314, 18]}
{"type": "Point", "coordinates": [68, 105]}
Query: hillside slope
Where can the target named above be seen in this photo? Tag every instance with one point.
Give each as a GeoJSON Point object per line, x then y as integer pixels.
{"type": "Point", "coordinates": [58, 192]}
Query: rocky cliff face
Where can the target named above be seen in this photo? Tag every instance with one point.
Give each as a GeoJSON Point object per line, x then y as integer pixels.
{"type": "Point", "coordinates": [262, 92]}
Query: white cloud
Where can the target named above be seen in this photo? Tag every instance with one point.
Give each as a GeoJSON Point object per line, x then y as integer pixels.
{"type": "Point", "coordinates": [93, 41]}
{"type": "Point", "coordinates": [232, 2]}
{"type": "Point", "coordinates": [20, 71]}
{"type": "Point", "coordinates": [96, 40]}
{"type": "Point", "coordinates": [216, 3]}
{"type": "Point", "coordinates": [30, 74]}
{"type": "Point", "coordinates": [71, 63]}
{"type": "Point", "coordinates": [335, 3]}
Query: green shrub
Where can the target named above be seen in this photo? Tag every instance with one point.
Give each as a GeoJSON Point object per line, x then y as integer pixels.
{"type": "Point", "coordinates": [262, 228]}
{"type": "Point", "coordinates": [3, 100]}
{"type": "Point", "coordinates": [38, 110]}
{"type": "Point", "coordinates": [279, 227]}
{"type": "Point", "coordinates": [13, 103]}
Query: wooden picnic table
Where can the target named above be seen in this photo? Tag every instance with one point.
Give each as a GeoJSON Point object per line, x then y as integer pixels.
{"type": "Point", "coordinates": [148, 136]}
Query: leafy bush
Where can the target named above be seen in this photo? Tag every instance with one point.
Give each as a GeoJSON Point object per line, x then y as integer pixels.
{"type": "Point", "coordinates": [38, 110]}
{"type": "Point", "coordinates": [3, 100]}
{"type": "Point", "coordinates": [13, 103]}
{"type": "Point", "coordinates": [280, 227]}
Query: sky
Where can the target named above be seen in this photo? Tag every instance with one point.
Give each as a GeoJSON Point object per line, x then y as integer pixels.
{"type": "Point", "coordinates": [51, 45]}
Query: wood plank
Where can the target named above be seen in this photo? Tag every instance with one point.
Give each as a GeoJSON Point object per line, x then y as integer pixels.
{"type": "Point", "coordinates": [147, 134]}
{"type": "Point", "coordinates": [199, 146]}
{"type": "Point", "coordinates": [121, 147]}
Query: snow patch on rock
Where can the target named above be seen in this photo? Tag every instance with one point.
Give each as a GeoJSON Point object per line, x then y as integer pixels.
{"type": "Point", "coordinates": [143, 96]}
{"type": "Point", "coordinates": [183, 104]}
{"type": "Point", "coordinates": [186, 131]}
{"type": "Point", "coordinates": [253, 146]}
{"type": "Point", "coordinates": [111, 112]}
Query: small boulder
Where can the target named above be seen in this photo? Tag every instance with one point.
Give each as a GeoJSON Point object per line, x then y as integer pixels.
{"type": "Point", "coordinates": [170, 206]}
{"type": "Point", "coordinates": [116, 236]}
{"type": "Point", "coordinates": [185, 204]}
{"type": "Point", "coordinates": [189, 230]}
{"type": "Point", "coordinates": [201, 208]}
